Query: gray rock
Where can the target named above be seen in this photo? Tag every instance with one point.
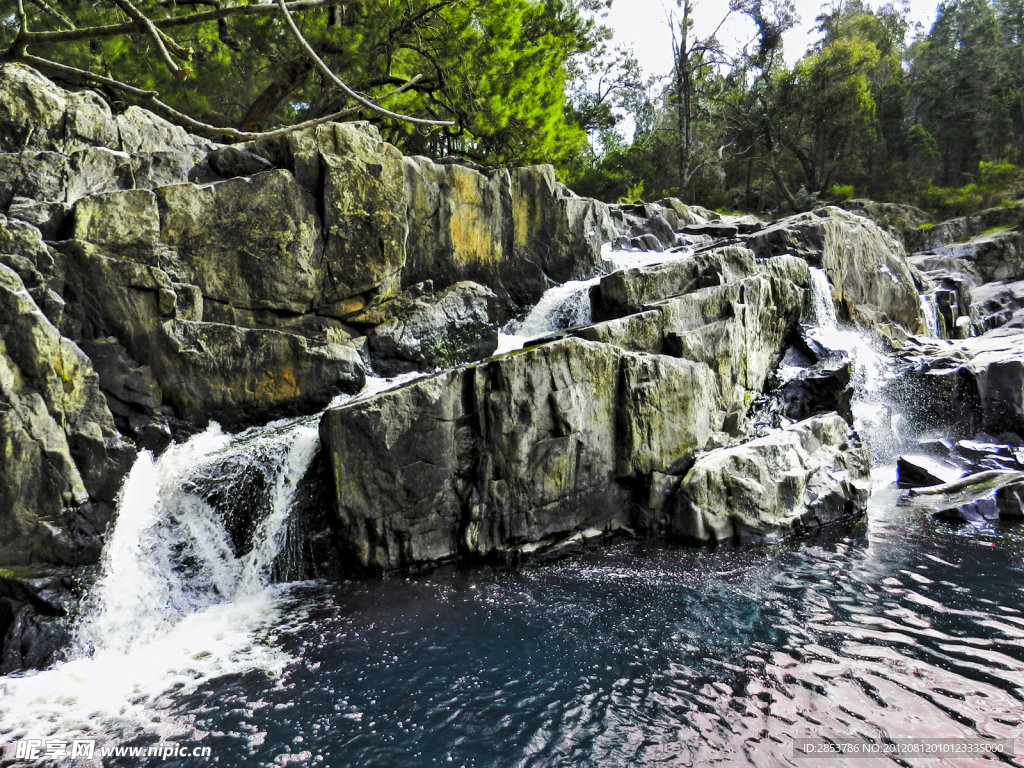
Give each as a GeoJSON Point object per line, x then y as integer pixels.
{"type": "Point", "coordinates": [251, 243]}
{"type": "Point", "coordinates": [872, 282]}
{"type": "Point", "coordinates": [517, 454]}
{"type": "Point", "coordinates": [61, 458]}
{"type": "Point", "coordinates": [916, 471]}
{"type": "Point", "coordinates": [456, 325]}
{"type": "Point", "coordinates": [974, 384]}
{"type": "Point", "coordinates": [807, 475]}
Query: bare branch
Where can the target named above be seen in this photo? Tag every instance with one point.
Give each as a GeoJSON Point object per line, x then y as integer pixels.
{"type": "Point", "coordinates": [81, 74]}
{"type": "Point", "coordinates": [331, 77]}
{"type": "Point", "coordinates": [159, 37]}
{"type": "Point", "coordinates": [151, 98]}
{"type": "Point", "coordinates": [88, 33]}
{"type": "Point", "coordinates": [54, 12]}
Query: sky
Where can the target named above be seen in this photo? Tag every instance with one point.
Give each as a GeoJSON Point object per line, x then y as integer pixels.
{"type": "Point", "coordinates": [642, 25]}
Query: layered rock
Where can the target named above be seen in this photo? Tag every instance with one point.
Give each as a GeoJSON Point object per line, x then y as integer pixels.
{"type": "Point", "coordinates": [872, 282]}
{"type": "Point", "coordinates": [579, 436]}
{"type": "Point", "coordinates": [514, 454]}
{"type": "Point", "coordinates": [804, 476]}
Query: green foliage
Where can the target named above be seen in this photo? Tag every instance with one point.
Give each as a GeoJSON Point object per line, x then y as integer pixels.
{"type": "Point", "coordinates": [499, 69]}
{"type": "Point", "coordinates": [841, 192]}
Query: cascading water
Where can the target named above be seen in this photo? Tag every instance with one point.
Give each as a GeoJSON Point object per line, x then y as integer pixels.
{"type": "Point", "coordinates": [177, 602]}
{"type": "Point", "coordinates": [931, 315]}
{"type": "Point", "coordinates": [564, 306]}
{"type": "Point", "coordinates": [568, 305]}
{"type": "Point", "coordinates": [877, 419]}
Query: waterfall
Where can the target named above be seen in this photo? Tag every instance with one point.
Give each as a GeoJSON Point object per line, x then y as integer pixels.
{"type": "Point", "coordinates": [823, 308]}
{"type": "Point", "coordinates": [878, 420]}
{"type": "Point", "coordinates": [185, 589]}
{"type": "Point", "coordinates": [564, 306]}
{"type": "Point", "coordinates": [931, 316]}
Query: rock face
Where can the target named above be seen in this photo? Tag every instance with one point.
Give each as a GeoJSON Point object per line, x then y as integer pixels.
{"type": "Point", "coordinates": [970, 385]}
{"type": "Point", "coordinates": [61, 459]}
{"type": "Point", "coordinates": [423, 330]}
{"type": "Point", "coordinates": [804, 476]}
{"type": "Point", "coordinates": [579, 436]}
{"type": "Point", "coordinates": [872, 282]}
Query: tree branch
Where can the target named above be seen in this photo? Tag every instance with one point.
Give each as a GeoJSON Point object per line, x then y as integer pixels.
{"type": "Point", "coordinates": [89, 33]}
{"type": "Point", "coordinates": [159, 38]}
{"type": "Point", "coordinates": [332, 78]}
{"type": "Point", "coordinates": [54, 12]}
{"type": "Point", "coordinates": [151, 98]}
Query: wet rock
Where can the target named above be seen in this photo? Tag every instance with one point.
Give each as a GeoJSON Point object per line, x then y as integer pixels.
{"type": "Point", "coordinates": [976, 383]}
{"type": "Point", "coordinates": [913, 470]}
{"type": "Point", "coordinates": [817, 391]}
{"type": "Point", "coordinates": [807, 475]}
{"type": "Point", "coordinates": [35, 608]}
{"type": "Point", "coordinates": [523, 450]}
{"type": "Point", "coordinates": [872, 282]}
{"type": "Point", "coordinates": [61, 458]}
{"type": "Point", "coordinates": [454, 326]}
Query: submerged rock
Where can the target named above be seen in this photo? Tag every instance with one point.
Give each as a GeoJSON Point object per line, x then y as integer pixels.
{"type": "Point", "coordinates": [807, 475]}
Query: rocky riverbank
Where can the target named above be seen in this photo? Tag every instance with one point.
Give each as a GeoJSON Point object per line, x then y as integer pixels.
{"type": "Point", "coordinates": [151, 282]}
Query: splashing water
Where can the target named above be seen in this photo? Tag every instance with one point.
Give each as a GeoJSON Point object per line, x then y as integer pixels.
{"type": "Point", "coordinates": [931, 316]}
{"type": "Point", "coordinates": [561, 307]}
{"type": "Point", "coordinates": [568, 305]}
{"type": "Point", "coordinates": [175, 605]}
{"type": "Point", "coordinates": [878, 420]}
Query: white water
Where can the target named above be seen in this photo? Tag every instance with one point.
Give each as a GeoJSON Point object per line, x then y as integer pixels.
{"type": "Point", "coordinates": [878, 420]}
{"type": "Point", "coordinates": [564, 306]}
{"type": "Point", "coordinates": [568, 305]}
{"type": "Point", "coordinates": [174, 607]}
{"type": "Point", "coordinates": [931, 317]}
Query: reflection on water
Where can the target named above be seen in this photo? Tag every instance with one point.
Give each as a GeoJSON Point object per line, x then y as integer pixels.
{"type": "Point", "coordinates": [646, 654]}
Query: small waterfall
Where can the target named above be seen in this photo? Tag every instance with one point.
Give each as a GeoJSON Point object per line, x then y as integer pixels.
{"type": "Point", "coordinates": [564, 306]}
{"type": "Point", "coordinates": [823, 308]}
{"type": "Point", "coordinates": [931, 315]}
{"type": "Point", "coordinates": [878, 420]}
{"type": "Point", "coordinates": [185, 591]}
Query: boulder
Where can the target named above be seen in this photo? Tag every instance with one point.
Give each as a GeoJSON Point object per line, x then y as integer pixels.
{"type": "Point", "coordinates": [430, 330]}
{"type": "Point", "coordinates": [872, 282]}
{"type": "Point", "coordinates": [61, 458]}
{"type": "Point", "coordinates": [274, 261]}
{"type": "Point", "coordinates": [804, 476]}
{"type": "Point", "coordinates": [971, 384]}
{"type": "Point", "coordinates": [518, 453]}
{"type": "Point", "coordinates": [917, 471]}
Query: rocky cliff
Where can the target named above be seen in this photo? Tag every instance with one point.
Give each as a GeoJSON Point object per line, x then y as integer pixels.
{"type": "Point", "coordinates": [151, 282]}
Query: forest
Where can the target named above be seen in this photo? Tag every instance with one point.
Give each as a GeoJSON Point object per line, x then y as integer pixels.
{"type": "Point", "coordinates": [870, 110]}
